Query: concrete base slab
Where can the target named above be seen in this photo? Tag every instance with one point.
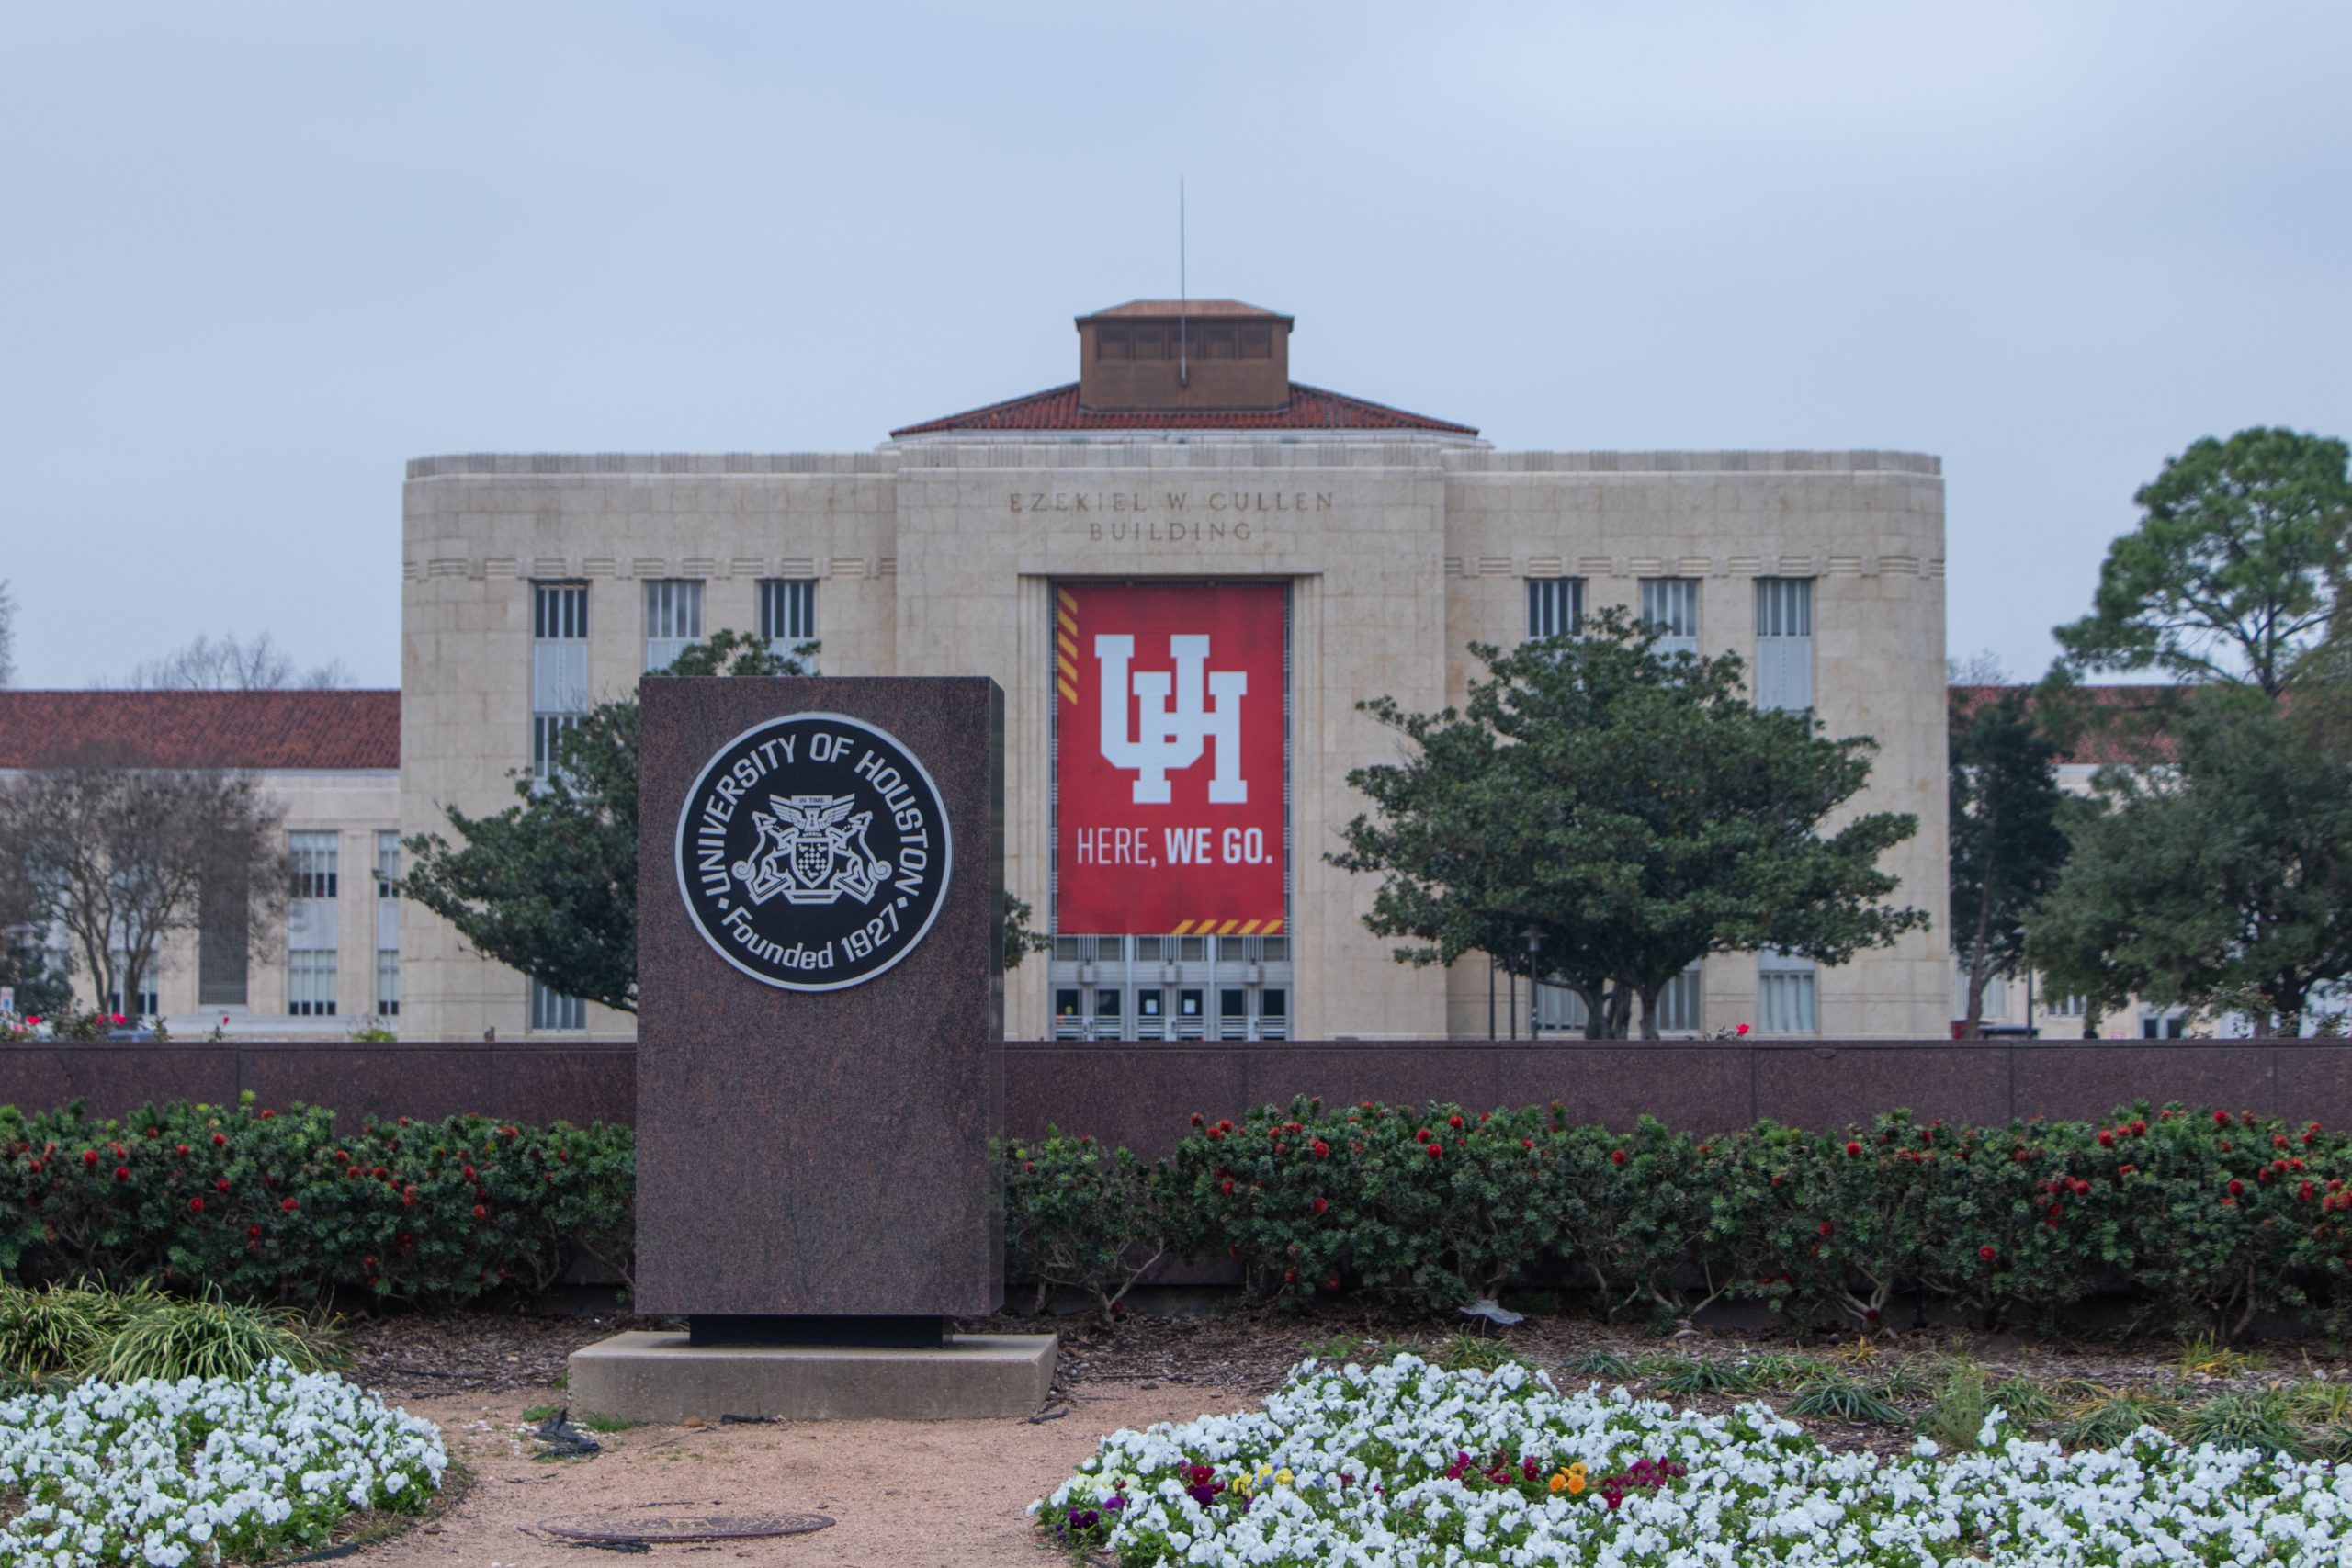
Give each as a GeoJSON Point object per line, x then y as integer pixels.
{"type": "Point", "coordinates": [646, 1376]}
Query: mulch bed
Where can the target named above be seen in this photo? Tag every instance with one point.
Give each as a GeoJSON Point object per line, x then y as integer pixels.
{"type": "Point", "coordinates": [1244, 1353]}
{"type": "Point", "coordinates": [418, 1355]}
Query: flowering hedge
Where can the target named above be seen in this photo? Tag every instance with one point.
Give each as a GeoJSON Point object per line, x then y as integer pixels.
{"type": "Point", "coordinates": [275, 1204]}
{"type": "Point", "coordinates": [238, 1468]}
{"type": "Point", "coordinates": [2213, 1216]}
{"type": "Point", "coordinates": [1406, 1464]}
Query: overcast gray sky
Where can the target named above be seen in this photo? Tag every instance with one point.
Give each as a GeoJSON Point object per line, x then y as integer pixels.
{"type": "Point", "coordinates": [254, 256]}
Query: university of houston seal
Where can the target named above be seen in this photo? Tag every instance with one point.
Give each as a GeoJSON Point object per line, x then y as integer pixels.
{"type": "Point", "coordinates": [813, 852]}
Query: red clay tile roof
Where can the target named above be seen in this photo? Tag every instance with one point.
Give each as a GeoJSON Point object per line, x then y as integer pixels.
{"type": "Point", "coordinates": [1310, 408]}
{"type": "Point", "coordinates": [203, 729]}
{"type": "Point", "coordinates": [1156, 309]}
{"type": "Point", "coordinates": [2133, 737]}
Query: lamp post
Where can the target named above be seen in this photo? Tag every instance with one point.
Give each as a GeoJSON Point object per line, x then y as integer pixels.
{"type": "Point", "coordinates": [1534, 939]}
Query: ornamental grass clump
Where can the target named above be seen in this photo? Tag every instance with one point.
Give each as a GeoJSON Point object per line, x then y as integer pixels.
{"type": "Point", "coordinates": [58, 1331]}
{"type": "Point", "coordinates": [206, 1337]}
{"type": "Point", "coordinates": [1408, 1465]}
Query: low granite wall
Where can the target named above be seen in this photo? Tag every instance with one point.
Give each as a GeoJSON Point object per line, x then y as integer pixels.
{"type": "Point", "coordinates": [1141, 1095]}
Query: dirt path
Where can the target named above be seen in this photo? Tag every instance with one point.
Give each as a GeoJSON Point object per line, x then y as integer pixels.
{"type": "Point", "coordinates": [929, 1494]}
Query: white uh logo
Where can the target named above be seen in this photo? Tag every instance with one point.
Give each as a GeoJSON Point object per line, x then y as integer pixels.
{"type": "Point", "coordinates": [1166, 739]}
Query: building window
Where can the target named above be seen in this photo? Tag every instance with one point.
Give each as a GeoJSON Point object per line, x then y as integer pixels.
{"type": "Point", "coordinates": [223, 943]}
{"type": "Point", "coordinates": [1110, 343]}
{"type": "Point", "coordinates": [2166, 1025]}
{"type": "Point", "coordinates": [312, 925]}
{"type": "Point", "coordinates": [1784, 643]}
{"type": "Point", "coordinates": [146, 1004]}
{"type": "Point", "coordinates": [2065, 1006]}
{"type": "Point", "coordinates": [387, 923]}
{"type": "Point", "coordinates": [1671, 608]}
{"type": "Point", "coordinates": [1678, 1001]}
{"type": "Point", "coordinates": [1554, 605]}
{"type": "Point", "coordinates": [553, 1012]}
{"type": "Point", "coordinates": [314, 864]}
{"type": "Point", "coordinates": [1784, 993]}
{"type": "Point", "coordinates": [673, 620]}
{"type": "Point", "coordinates": [1557, 1010]}
{"type": "Point", "coordinates": [787, 613]}
{"type": "Point", "coordinates": [309, 983]}
{"type": "Point", "coordinates": [1257, 343]}
{"type": "Point", "coordinates": [559, 666]}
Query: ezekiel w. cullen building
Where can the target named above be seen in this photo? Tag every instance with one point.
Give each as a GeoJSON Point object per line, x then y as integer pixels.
{"type": "Point", "coordinates": [1185, 569]}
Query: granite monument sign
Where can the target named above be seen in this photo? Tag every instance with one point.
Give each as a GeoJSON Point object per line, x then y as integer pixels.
{"type": "Point", "coordinates": [820, 989]}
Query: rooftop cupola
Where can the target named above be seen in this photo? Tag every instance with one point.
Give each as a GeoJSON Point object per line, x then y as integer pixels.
{"type": "Point", "coordinates": [1206, 355]}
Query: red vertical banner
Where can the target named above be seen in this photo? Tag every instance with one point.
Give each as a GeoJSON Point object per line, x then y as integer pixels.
{"type": "Point", "coordinates": [1168, 758]}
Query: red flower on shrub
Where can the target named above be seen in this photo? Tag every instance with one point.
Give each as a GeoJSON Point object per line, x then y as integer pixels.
{"type": "Point", "coordinates": [1421, 1135]}
{"type": "Point", "coordinates": [1989, 1254]}
{"type": "Point", "coordinates": [269, 1115]}
{"type": "Point", "coordinates": [1852, 1149]}
{"type": "Point", "coordinates": [252, 1230]}
{"type": "Point", "coordinates": [2220, 1119]}
{"type": "Point", "coordinates": [89, 1156]}
{"type": "Point", "coordinates": [1437, 1151]}
{"type": "Point", "coordinates": [1455, 1123]}
{"type": "Point", "coordinates": [1225, 1187]}
{"type": "Point", "coordinates": [1197, 1118]}
{"type": "Point", "coordinates": [182, 1150]}
{"type": "Point", "coordinates": [288, 1204]}
{"type": "Point", "coordinates": [122, 1173]}
{"type": "Point", "coordinates": [220, 1140]}
{"type": "Point", "coordinates": [2237, 1187]}
{"type": "Point", "coordinates": [196, 1205]}
{"type": "Point", "coordinates": [2139, 1128]}
{"type": "Point", "coordinates": [1827, 1228]}
{"type": "Point", "coordinates": [1322, 1150]}
{"type": "Point", "coordinates": [2106, 1139]}
{"type": "Point", "coordinates": [470, 1173]}
{"type": "Point", "coordinates": [1616, 1156]}
{"type": "Point", "coordinates": [1289, 1276]}
{"type": "Point", "coordinates": [221, 1185]}
{"type": "Point", "coordinates": [481, 1212]}
{"type": "Point", "coordinates": [1322, 1205]}
{"type": "Point", "coordinates": [1527, 1143]}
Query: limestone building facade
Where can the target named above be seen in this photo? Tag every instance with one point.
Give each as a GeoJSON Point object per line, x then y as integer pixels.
{"type": "Point", "coordinates": [328, 762]}
{"type": "Point", "coordinates": [536, 584]}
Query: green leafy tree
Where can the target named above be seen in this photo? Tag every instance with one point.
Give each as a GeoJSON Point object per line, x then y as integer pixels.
{"type": "Point", "coordinates": [41, 979]}
{"type": "Point", "coordinates": [2222, 882]}
{"type": "Point", "coordinates": [1627, 813]}
{"type": "Point", "coordinates": [548, 885]}
{"type": "Point", "coordinates": [2234, 569]}
{"type": "Point", "coordinates": [2006, 845]}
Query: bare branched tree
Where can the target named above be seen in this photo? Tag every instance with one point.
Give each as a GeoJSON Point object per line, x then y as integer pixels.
{"type": "Point", "coordinates": [121, 857]}
{"type": "Point", "coordinates": [7, 635]}
{"type": "Point", "coordinates": [224, 665]}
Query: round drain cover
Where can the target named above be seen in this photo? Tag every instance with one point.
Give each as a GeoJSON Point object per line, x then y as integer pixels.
{"type": "Point", "coordinates": [660, 1526]}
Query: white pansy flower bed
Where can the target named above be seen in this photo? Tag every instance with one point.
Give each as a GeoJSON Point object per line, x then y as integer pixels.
{"type": "Point", "coordinates": [202, 1469]}
{"type": "Point", "coordinates": [1406, 1464]}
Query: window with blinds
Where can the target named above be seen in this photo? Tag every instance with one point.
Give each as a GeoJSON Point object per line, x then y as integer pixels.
{"type": "Point", "coordinates": [1784, 643]}
{"type": "Point", "coordinates": [1554, 605]}
{"type": "Point", "coordinates": [1670, 607]}
{"type": "Point", "coordinates": [559, 666]}
{"type": "Point", "coordinates": [673, 620]}
{"type": "Point", "coordinates": [553, 1012]}
{"type": "Point", "coordinates": [387, 923]}
{"type": "Point", "coordinates": [311, 924]}
{"type": "Point", "coordinates": [787, 613]}
{"type": "Point", "coordinates": [1784, 993]}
